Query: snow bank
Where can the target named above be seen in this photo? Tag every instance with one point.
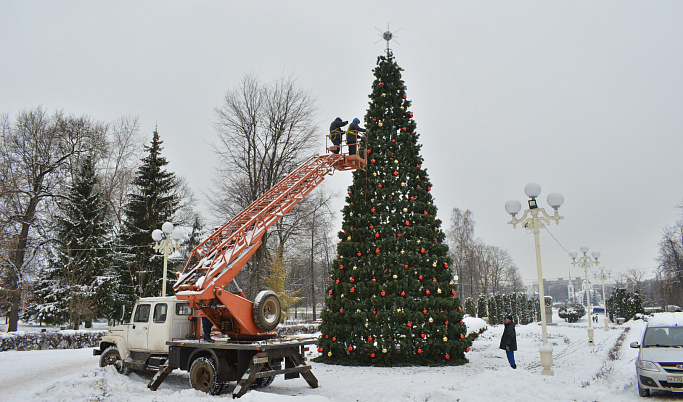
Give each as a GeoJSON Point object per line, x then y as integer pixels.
{"type": "Point", "coordinates": [475, 326]}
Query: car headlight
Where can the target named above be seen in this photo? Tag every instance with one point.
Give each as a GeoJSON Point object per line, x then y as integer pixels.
{"type": "Point", "coordinates": [646, 365]}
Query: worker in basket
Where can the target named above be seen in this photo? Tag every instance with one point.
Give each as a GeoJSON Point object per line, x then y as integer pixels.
{"type": "Point", "coordinates": [352, 141]}
{"type": "Point", "coordinates": [336, 134]}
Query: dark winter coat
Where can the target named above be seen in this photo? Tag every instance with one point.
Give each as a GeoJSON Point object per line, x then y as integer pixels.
{"type": "Point", "coordinates": [337, 124]}
{"type": "Point", "coordinates": [352, 133]}
{"type": "Point", "coordinates": [509, 339]}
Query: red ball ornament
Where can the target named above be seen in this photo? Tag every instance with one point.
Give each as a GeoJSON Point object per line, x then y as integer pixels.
{"type": "Point", "coordinates": [404, 129]}
{"type": "Point", "coordinates": [341, 266]}
{"type": "Point", "coordinates": [420, 277]}
{"type": "Point", "coordinates": [445, 264]}
{"type": "Point", "coordinates": [341, 310]}
{"type": "Point", "coordinates": [412, 198]}
{"type": "Point", "coordinates": [372, 354]}
{"type": "Point", "coordinates": [330, 292]}
{"type": "Point", "coordinates": [327, 336]}
{"type": "Point", "coordinates": [359, 254]}
{"type": "Point", "coordinates": [337, 281]}
{"type": "Point", "coordinates": [419, 351]}
{"type": "Point", "coordinates": [334, 339]}
{"type": "Point", "coordinates": [423, 336]}
{"type": "Point", "coordinates": [374, 280]}
{"type": "Point", "coordinates": [418, 186]}
{"type": "Point", "coordinates": [410, 324]}
{"type": "Point", "coordinates": [372, 226]}
{"type": "Point", "coordinates": [393, 140]}
{"type": "Point", "coordinates": [427, 292]}
{"type": "Point", "coordinates": [372, 209]}
{"type": "Point", "coordinates": [467, 350]}
{"type": "Point", "coordinates": [398, 235]}
{"type": "Point", "coordinates": [374, 119]}
{"type": "Point", "coordinates": [403, 294]}
{"type": "Point", "coordinates": [426, 213]}
{"type": "Point", "coordinates": [446, 323]}
{"type": "Point", "coordinates": [411, 115]}
{"type": "Point", "coordinates": [453, 292]}
{"type": "Point", "coordinates": [418, 166]}
{"type": "Point", "coordinates": [381, 84]}
{"type": "Point", "coordinates": [422, 250]}
{"type": "Point", "coordinates": [462, 336]}
{"type": "Point", "coordinates": [377, 235]}
{"type": "Point", "coordinates": [459, 308]}
{"type": "Point", "coordinates": [405, 266]}
{"type": "Point", "coordinates": [407, 223]}
{"type": "Point", "coordinates": [429, 189]}
{"type": "Point", "coordinates": [370, 338]}
{"type": "Point", "coordinates": [374, 312]}
{"type": "Point", "coordinates": [320, 350]}
{"type": "Point", "coordinates": [405, 96]}
{"type": "Point", "coordinates": [392, 120]}
{"type": "Point", "coordinates": [376, 251]}
{"type": "Point", "coordinates": [424, 311]}
{"type": "Point", "coordinates": [350, 348]}
{"type": "Point", "coordinates": [373, 160]}
{"type": "Point", "coordinates": [352, 280]}
{"type": "Point", "coordinates": [395, 173]}
{"type": "Point", "coordinates": [368, 151]}
{"type": "Point", "coordinates": [434, 280]}
{"type": "Point", "coordinates": [391, 198]}
{"type": "Point", "coordinates": [379, 185]}
{"type": "Point", "coordinates": [447, 356]}
{"type": "Point", "coordinates": [382, 293]}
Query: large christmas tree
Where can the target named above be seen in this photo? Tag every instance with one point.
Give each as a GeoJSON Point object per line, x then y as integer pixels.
{"type": "Point", "coordinates": [392, 300]}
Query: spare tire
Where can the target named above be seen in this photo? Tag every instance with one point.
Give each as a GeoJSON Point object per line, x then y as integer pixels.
{"type": "Point", "coordinates": [267, 310]}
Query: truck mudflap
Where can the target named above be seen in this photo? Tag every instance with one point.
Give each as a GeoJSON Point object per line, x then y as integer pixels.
{"type": "Point", "coordinates": [289, 350]}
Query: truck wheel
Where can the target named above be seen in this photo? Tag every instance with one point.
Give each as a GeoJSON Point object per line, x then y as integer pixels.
{"type": "Point", "coordinates": [112, 357]}
{"type": "Point", "coordinates": [203, 375]}
{"type": "Point", "coordinates": [263, 382]}
{"type": "Point", "coordinates": [644, 392]}
{"type": "Point", "coordinates": [267, 310]}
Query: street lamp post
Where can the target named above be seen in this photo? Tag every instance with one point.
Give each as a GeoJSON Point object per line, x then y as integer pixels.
{"type": "Point", "coordinates": [165, 243]}
{"type": "Point", "coordinates": [586, 261]}
{"type": "Point", "coordinates": [535, 219]}
{"type": "Point", "coordinates": [602, 276]}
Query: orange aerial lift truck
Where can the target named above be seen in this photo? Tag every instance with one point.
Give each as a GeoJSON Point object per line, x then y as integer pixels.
{"type": "Point", "coordinates": [164, 333]}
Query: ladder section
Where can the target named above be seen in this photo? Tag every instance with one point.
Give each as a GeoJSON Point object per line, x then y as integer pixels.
{"type": "Point", "coordinates": [222, 255]}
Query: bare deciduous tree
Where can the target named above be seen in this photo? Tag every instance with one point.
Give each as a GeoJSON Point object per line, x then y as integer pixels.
{"type": "Point", "coordinates": [36, 152]}
{"type": "Point", "coordinates": [264, 132]}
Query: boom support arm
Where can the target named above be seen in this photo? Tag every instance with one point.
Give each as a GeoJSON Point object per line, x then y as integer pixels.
{"type": "Point", "coordinates": [219, 258]}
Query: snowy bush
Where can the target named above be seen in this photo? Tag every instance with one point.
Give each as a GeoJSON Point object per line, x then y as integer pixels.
{"type": "Point", "coordinates": [49, 340]}
{"type": "Point", "coordinates": [572, 312]}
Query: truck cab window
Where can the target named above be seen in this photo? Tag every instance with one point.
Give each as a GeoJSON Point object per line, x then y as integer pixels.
{"type": "Point", "coordinates": [160, 313]}
{"type": "Point", "coordinates": [142, 313]}
{"type": "Point", "coordinates": [183, 309]}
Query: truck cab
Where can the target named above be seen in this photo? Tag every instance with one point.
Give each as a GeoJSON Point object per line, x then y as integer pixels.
{"type": "Point", "coordinates": [141, 343]}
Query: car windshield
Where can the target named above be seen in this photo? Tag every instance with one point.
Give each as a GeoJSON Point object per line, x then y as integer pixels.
{"type": "Point", "coordinates": [664, 337]}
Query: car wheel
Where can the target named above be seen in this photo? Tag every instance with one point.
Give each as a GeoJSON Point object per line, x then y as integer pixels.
{"type": "Point", "coordinates": [203, 376]}
{"type": "Point", "coordinates": [112, 357]}
{"type": "Point", "coordinates": [644, 392]}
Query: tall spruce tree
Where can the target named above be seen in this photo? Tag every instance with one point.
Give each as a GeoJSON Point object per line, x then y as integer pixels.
{"type": "Point", "coordinates": [68, 288]}
{"type": "Point", "coordinates": [392, 300]}
{"type": "Point", "coordinates": [154, 202]}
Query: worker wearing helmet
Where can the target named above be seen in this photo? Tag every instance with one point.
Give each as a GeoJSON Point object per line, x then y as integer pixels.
{"type": "Point", "coordinates": [336, 134]}
{"type": "Point", "coordinates": [352, 135]}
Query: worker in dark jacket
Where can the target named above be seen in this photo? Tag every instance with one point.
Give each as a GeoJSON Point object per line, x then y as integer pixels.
{"type": "Point", "coordinates": [509, 341]}
{"type": "Point", "coordinates": [336, 134]}
{"type": "Point", "coordinates": [352, 135]}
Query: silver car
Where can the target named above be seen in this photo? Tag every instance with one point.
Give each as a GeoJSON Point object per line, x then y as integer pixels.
{"type": "Point", "coordinates": [660, 359]}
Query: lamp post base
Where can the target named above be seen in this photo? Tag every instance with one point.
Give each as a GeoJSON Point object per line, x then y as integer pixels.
{"type": "Point", "coordinates": [591, 342]}
{"type": "Point", "coordinates": [606, 324]}
{"type": "Point", "coordinates": [547, 362]}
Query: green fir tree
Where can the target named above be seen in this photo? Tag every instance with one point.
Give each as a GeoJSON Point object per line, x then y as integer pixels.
{"type": "Point", "coordinates": [392, 300]}
{"type": "Point", "coordinates": [154, 201]}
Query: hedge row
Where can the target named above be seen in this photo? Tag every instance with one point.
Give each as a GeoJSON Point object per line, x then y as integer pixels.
{"type": "Point", "coordinates": [49, 340]}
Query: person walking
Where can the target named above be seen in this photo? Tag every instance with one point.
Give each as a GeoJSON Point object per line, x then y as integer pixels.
{"type": "Point", "coordinates": [509, 341]}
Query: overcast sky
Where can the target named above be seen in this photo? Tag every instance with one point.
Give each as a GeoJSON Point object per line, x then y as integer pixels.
{"type": "Point", "coordinates": [583, 97]}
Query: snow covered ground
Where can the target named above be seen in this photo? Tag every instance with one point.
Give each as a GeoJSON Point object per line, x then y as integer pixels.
{"type": "Point", "coordinates": [582, 373]}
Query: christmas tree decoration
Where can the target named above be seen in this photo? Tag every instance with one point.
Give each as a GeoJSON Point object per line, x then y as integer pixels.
{"type": "Point", "coordinates": [397, 306]}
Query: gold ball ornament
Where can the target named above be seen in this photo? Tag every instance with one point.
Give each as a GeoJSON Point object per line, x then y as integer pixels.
{"type": "Point", "coordinates": [431, 319]}
{"type": "Point", "coordinates": [396, 161]}
{"type": "Point", "coordinates": [342, 295]}
{"type": "Point", "coordinates": [357, 311]}
{"type": "Point", "coordinates": [372, 200]}
{"type": "Point", "coordinates": [434, 265]}
{"type": "Point", "coordinates": [366, 325]}
{"type": "Point", "coordinates": [445, 339]}
{"type": "Point", "coordinates": [329, 354]}
{"type": "Point", "coordinates": [438, 290]}
{"type": "Point", "coordinates": [374, 174]}
{"type": "Point", "coordinates": [348, 238]}
{"type": "Point", "coordinates": [403, 184]}
{"type": "Point", "coordinates": [355, 268]}
{"type": "Point", "coordinates": [403, 251]}
{"type": "Point", "coordinates": [395, 276]}
{"type": "Point", "coordinates": [384, 351]}
{"type": "Point", "coordinates": [405, 209]}
{"type": "Point", "coordinates": [381, 124]}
